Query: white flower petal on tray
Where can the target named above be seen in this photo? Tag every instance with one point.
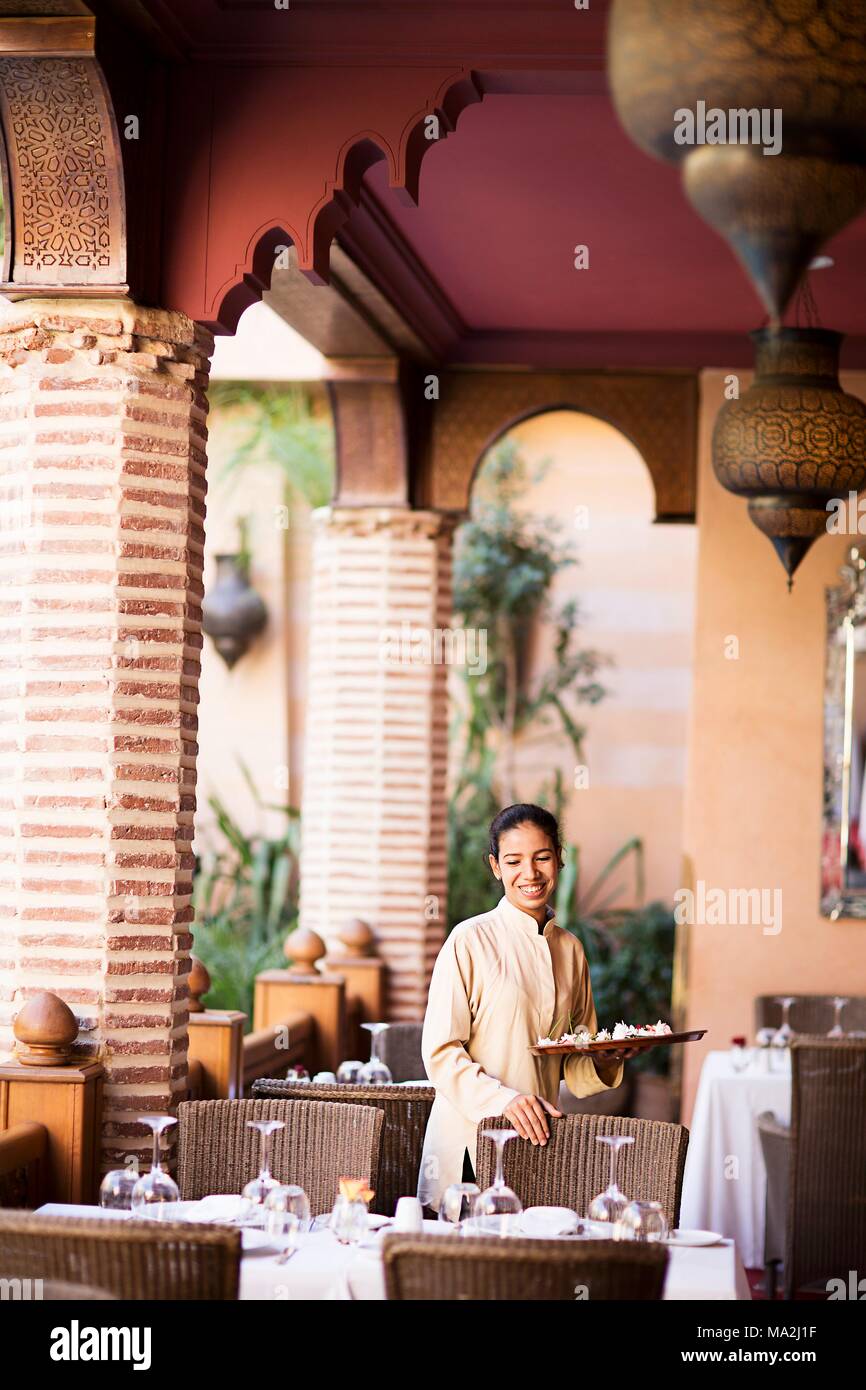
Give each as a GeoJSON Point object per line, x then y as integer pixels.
{"type": "Point", "coordinates": [621, 1032]}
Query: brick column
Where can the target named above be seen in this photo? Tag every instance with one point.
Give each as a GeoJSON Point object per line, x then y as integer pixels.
{"type": "Point", "coordinates": [102, 457]}
{"type": "Point", "coordinates": [374, 805]}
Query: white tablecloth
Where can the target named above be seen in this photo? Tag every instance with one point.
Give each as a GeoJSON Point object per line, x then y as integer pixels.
{"type": "Point", "coordinates": [324, 1269]}
{"type": "Point", "coordinates": [725, 1180]}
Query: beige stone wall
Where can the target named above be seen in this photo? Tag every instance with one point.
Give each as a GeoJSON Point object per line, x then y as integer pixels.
{"type": "Point", "coordinates": [753, 805]}
{"type": "Point", "coordinates": [635, 587]}
{"type": "Point", "coordinates": [254, 713]}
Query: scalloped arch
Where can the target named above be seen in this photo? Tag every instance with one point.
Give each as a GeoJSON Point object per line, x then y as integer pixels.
{"type": "Point", "coordinates": [533, 412]}
{"type": "Point", "coordinates": [355, 156]}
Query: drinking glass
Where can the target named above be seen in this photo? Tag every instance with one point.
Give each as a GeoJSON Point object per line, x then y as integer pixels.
{"type": "Point", "coordinates": [348, 1073]}
{"type": "Point", "coordinates": [457, 1202]}
{"type": "Point", "coordinates": [782, 1037]}
{"type": "Point", "coordinates": [287, 1215]}
{"type": "Point", "coordinates": [297, 1074]}
{"type": "Point", "coordinates": [256, 1192]}
{"type": "Point", "coordinates": [739, 1054]}
{"type": "Point", "coordinates": [497, 1209]}
{"type": "Point", "coordinates": [117, 1187]}
{"type": "Point", "coordinates": [156, 1190]}
{"type": "Point", "coordinates": [837, 1031]}
{"type": "Point", "coordinates": [641, 1221]}
{"type": "Point", "coordinates": [349, 1220]}
{"type": "Point", "coordinates": [374, 1072]}
{"type": "Point", "coordinates": [610, 1204]}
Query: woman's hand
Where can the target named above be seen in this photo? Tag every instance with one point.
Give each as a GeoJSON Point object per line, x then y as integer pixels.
{"type": "Point", "coordinates": [609, 1055]}
{"type": "Point", "coordinates": [527, 1114]}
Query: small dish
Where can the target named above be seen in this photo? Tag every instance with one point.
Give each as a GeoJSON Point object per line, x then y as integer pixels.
{"type": "Point", "coordinates": [694, 1238]}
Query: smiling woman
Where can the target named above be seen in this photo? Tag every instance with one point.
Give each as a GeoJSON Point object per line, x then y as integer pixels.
{"type": "Point", "coordinates": [502, 979]}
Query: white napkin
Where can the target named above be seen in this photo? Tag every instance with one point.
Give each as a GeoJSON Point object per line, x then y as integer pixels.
{"type": "Point", "coordinates": [548, 1221]}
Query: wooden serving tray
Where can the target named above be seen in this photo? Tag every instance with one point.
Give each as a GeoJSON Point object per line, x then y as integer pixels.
{"type": "Point", "coordinates": [644, 1044]}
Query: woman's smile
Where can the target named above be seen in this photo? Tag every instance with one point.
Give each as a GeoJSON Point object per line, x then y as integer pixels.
{"type": "Point", "coordinates": [533, 890]}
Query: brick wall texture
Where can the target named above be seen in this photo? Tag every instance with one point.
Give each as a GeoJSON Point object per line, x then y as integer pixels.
{"type": "Point", "coordinates": [102, 503]}
{"type": "Point", "coordinates": [373, 820]}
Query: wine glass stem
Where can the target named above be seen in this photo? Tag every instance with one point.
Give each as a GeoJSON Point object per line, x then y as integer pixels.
{"type": "Point", "coordinates": [266, 1155]}
{"type": "Point", "coordinates": [156, 1164]}
{"type": "Point", "coordinates": [613, 1153]}
{"type": "Point", "coordinates": [499, 1180]}
{"type": "Point", "coordinates": [786, 1008]}
{"type": "Point", "coordinates": [374, 1047]}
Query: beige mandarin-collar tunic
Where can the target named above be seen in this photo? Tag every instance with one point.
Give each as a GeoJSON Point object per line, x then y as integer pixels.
{"type": "Point", "coordinates": [498, 984]}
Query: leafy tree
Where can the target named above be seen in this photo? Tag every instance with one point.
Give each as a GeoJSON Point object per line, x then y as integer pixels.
{"type": "Point", "coordinates": [506, 564]}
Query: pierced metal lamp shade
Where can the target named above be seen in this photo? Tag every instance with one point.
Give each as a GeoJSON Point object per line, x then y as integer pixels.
{"type": "Point", "coordinates": [233, 614]}
{"type": "Point", "coordinates": [793, 440]}
{"type": "Point", "coordinates": [802, 58]}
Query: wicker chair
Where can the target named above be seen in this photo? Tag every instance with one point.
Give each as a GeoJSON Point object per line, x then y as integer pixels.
{"type": "Point", "coordinates": [811, 1014]}
{"type": "Point", "coordinates": [826, 1234]}
{"type": "Point", "coordinates": [488, 1268]}
{"type": "Point", "coordinates": [130, 1259]}
{"type": "Point", "coordinates": [400, 1050]}
{"type": "Point", "coordinates": [572, 1168]}
{"type": "Point", "coordinates": [218, 1152]}
{"type": "Point", "coordinates": [406, 1110]}
{"type": "Point", "coordinates": [776, 1150]}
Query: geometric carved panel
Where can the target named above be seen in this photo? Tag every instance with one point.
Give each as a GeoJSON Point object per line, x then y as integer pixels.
{"type": "Point", "coordinates": [64, 172]}
{"type": "Point", "coordinates": [657, 411]}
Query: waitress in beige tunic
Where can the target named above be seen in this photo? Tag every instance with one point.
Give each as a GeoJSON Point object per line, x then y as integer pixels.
{"type": "Point", "coordinates": [501, 980]}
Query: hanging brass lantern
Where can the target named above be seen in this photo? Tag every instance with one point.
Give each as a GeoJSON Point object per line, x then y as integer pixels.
{"type": "Point", "coordinates": [750, 71]}
{"type": "Point", "coordinates": [794, 440]}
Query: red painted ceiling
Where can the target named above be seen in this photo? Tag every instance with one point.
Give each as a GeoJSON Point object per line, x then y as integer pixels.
{"type": "Point", "coordinates": [524, 179]}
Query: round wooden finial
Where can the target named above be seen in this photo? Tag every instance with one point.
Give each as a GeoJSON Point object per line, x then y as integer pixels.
{"type": "Point", "coordinates": [199, 984]}
{"type": "Point", "coordinates": [45, 1029]}
{"type": "Point", "coordinates": [357, 937]}
{"type": "Point", "coordinates": [302, 949]}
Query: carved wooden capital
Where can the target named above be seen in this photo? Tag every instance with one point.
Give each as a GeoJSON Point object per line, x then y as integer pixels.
{"type": "Point", "coordinates": [372, 466]}
{"type": "Point", "coordinates": [402, 523]}
{"type": "Point", "coordinates": [62, 168]}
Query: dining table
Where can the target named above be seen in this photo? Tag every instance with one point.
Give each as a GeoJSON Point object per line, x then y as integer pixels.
{"type": "Point", "coordinates": [725, 1182]}
{"type": "Point", "coordinates": [323, 1269]}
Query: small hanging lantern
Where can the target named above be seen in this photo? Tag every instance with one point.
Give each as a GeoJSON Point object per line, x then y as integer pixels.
{"type": "Point", "coordinates": [794, 440]}
{"type": "Point", "coordinates": [233, 614]}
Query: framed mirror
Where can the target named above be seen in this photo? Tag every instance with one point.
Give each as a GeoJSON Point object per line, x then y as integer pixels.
{"type": "Point", "coordinates": [843, 840]}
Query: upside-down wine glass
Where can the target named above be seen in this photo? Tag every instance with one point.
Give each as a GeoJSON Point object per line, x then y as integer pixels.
{"type": "Point", "coordinates": [643, 1221]}
{"type": "Point", "coordinates": [256, 1192]}
{"type": "Point", "coordinates": [784, 1034]}
{"type": "Point", "coordinates": [374, 1072]}
{"type": "Point", "coordinates": [156, 1191]}
{"type": "Point", "coordinates": [497, 1209]}
{"type": "Point", "coordinates": [610, 1204]}
{"type": "Point", "coordinates": [457, 1202]}
{"type": "Point", "coordinates": [117, 1187]}
{"type": "Point", "coordinates": [837, 1031]}
{"type": "Point", "coordinates": [348, 1073]}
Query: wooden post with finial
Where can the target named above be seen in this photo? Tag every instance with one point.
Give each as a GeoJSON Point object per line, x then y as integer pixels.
{"type": "Point", "coordinates": [216, 1040]}
{"type": "Point", "coordinates": [364, 973]}
{"type": "Point", "coordinates": [305, 988]}
{"type": "Point", "coordinates": [46, 1083]}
